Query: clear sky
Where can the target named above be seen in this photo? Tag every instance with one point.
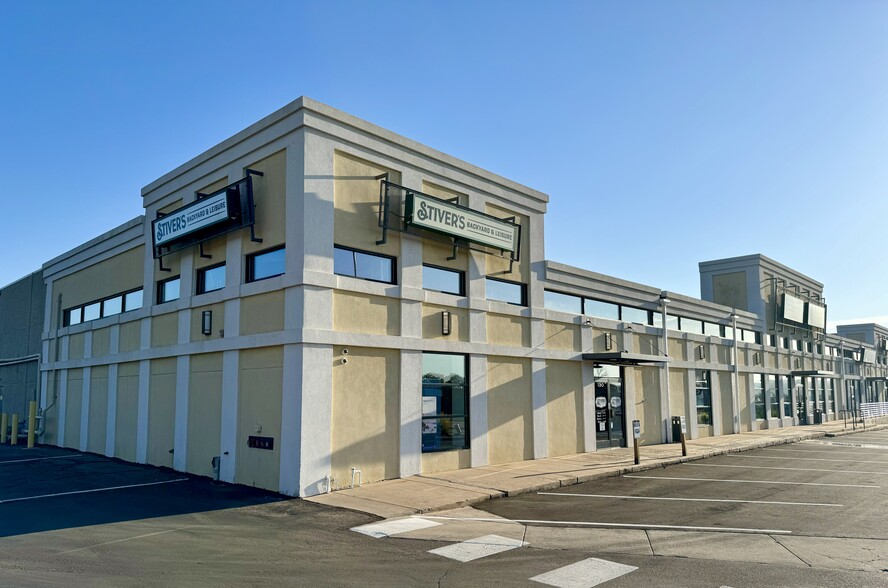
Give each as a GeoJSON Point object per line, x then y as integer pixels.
{"type": "Point", "coordinates": [665, 132]}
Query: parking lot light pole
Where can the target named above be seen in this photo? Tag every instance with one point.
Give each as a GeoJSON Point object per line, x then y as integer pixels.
{"type": "Point", "coordinates": [736, 374]}
{"type": "Point", "coordinates": [664, 302]}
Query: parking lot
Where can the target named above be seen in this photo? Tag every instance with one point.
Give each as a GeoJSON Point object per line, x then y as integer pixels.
{"type": "Point", "coordinates": [48, 488]}
{"type": "Point", "coordinates": [826, 488]}
{"type": "Point", "coordinates": [806, 514]}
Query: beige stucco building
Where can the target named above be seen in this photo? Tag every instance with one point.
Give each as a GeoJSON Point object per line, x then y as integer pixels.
{"type": "Point", "coordinates": [317, 301]}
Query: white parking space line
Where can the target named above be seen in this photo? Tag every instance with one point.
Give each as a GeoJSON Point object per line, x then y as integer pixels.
{"type": "Point", "coordinates": [478, 547]}
{"type": "Point", "coordinates": [754, 482]}
{"type": "Point", "coordinates": [833, 451]}
{"type": "Point", "coordinates": [863, 445]}
{"type": "Point", "coordinates": [394, 527]}
{"type": "Point", "coordinates": [752, 467]}
{"type": "Point", "coordinates": [122, 540]}
{"type": "Point", "coordinates": [39, 459]}
{"type": "Point", "coordinates": [584, 574]}
{"type": "Point", "coordinates": [794, 458]}
{"type": "Point", "coordinates": [22, 499]}
{"type": "Point", "coordinates": [613, 525]}
{"type": "Point", "coordinates": [690, 499]}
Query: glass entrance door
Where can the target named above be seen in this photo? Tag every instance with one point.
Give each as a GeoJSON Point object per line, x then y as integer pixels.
{"type": "Point", "coordinates": [609, 412]}
{"type": "Point", "coordinates": [806, 401]}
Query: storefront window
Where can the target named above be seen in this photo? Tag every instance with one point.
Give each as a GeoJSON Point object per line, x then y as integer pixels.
{"type": "Point", "coordinates": [771, 389]}
{"type": "Point", "coordinates": [445, 402]}
{"type": "Point", "coordinates": [704, 397]}
{"type": "Point", "coordinates": [759, 395]}
{"type": "Point", "coordinates": [830, 394]}
{"type": "Point", "coordinates": [786, 384]}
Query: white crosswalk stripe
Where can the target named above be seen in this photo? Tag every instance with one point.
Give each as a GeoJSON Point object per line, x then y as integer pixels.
{"type": "Point", "coordinates": [584, 574]}
{"type": "Point", "coordinates": [394, 526]}
{"type": "Point", "coordinates": [478, 547]}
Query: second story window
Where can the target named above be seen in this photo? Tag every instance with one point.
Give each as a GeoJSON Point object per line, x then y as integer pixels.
{"type": "Point", "coordinates": [265, 264]}
{"type": "Point", "coordinates": [503, 291]}
{"type": "Point", "coordinates": [444, 280]}
{"type": "Point", "coordinates": [211, 278]}
{"type": "Point", "coordinates": [110, 306]}
{"type": "Point", "coordinates": [364, 265]}
{"type": "Point", "coordinates": [168, 290]}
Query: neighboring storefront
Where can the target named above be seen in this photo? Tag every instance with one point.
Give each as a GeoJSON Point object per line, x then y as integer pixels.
{"type": "Point", "coordinates": [317, 301]}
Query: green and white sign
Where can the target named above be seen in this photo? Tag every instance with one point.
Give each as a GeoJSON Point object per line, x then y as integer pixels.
{"type": "Point", "coordinates": [458, 221]}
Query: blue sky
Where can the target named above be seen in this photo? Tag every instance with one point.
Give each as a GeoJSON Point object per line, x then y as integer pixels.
{"type": "Point", "coordinates": [666, 133]}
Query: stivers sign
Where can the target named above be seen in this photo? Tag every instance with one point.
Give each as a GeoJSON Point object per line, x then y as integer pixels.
{"type": "Point", "coordinates": [458, 221]}
{"type": "Point", "coordinates": [191, 218]}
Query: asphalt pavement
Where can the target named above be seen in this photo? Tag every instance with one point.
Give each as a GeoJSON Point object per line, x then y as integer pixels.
{"type": "Point", "coordinates": [800, 514]}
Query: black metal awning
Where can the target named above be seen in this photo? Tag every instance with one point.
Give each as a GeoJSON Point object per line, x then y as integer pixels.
{"type": "Point", "coordinates": [624, 358]}
{"type": "Point", "coordinates": [813, 373]}
{"type": "Point", "coordinates": [876, 379]}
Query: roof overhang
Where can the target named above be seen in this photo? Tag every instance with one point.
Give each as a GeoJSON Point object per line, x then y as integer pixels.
{"type": "Point", "coordinates": [624, 358]}
{"type": "Point", "coordinates": [813, 373]}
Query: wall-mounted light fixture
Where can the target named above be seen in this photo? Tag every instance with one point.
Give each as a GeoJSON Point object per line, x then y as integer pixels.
{"type": "Point", "coordinates": [446, 322]}
{"type": "Point", "coordinates": [701, 351]}
{"type": "Point", "coordinates": [756, 358]}
{"type": "Point", "coordinates": [608, 341]}
{"type": "Point", "coordinates": [206, 322]}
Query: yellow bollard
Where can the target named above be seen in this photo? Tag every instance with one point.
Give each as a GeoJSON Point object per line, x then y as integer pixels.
{"type": "Point", "coordinates": [4, 423]}
{"type": "Point", "coordinates": [13, 436]}
{"type": "Point", "coordinates": [32, 422]}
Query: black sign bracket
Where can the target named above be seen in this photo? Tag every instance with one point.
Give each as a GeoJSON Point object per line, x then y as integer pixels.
{"type": "Point", "coordinates": [391, 216]}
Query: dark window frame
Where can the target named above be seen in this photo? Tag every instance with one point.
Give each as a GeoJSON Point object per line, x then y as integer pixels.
{"type": "Point", "coordinates": [648, 321]}
{"type": "Point", "coordinates": [460, 273]}
{"type": "Point", "coordinates": [617, 305]}
{"type": "Point", "coordinates": [250, 264]}
{"type": "Point", "coordinates": [467, 438]}
{"type": "Point", "coordinates": [66, 313]}
{"type": "Point", "coordinates": [707, 379]}
{"type": "Point", "coordinates": [581, 300]}
{"type": "Point", "coordinates": [200, 286]}
{"type": "Point", "coordinates": [393, 260]}
{"type": "Point", "coordinates": [162, 283]}
{"type": "Point", "coordinates": [760, 380]}
{"type": "Point", "coordinates": [521, 285]}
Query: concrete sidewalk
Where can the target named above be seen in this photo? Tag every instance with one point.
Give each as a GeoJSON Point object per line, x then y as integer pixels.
{"type": "Point", "coordinates": [456, 488]}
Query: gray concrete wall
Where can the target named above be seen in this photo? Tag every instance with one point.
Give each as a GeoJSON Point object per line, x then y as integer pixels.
{"type": "Point", "coordinates": [21, 325]}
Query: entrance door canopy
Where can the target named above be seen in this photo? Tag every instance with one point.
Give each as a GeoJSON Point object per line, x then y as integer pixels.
{"type": "Point", "coordinates": [625, 358]}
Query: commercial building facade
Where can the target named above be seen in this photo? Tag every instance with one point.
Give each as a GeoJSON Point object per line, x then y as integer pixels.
{"type": "Point", "coordinates": [317, 302]}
